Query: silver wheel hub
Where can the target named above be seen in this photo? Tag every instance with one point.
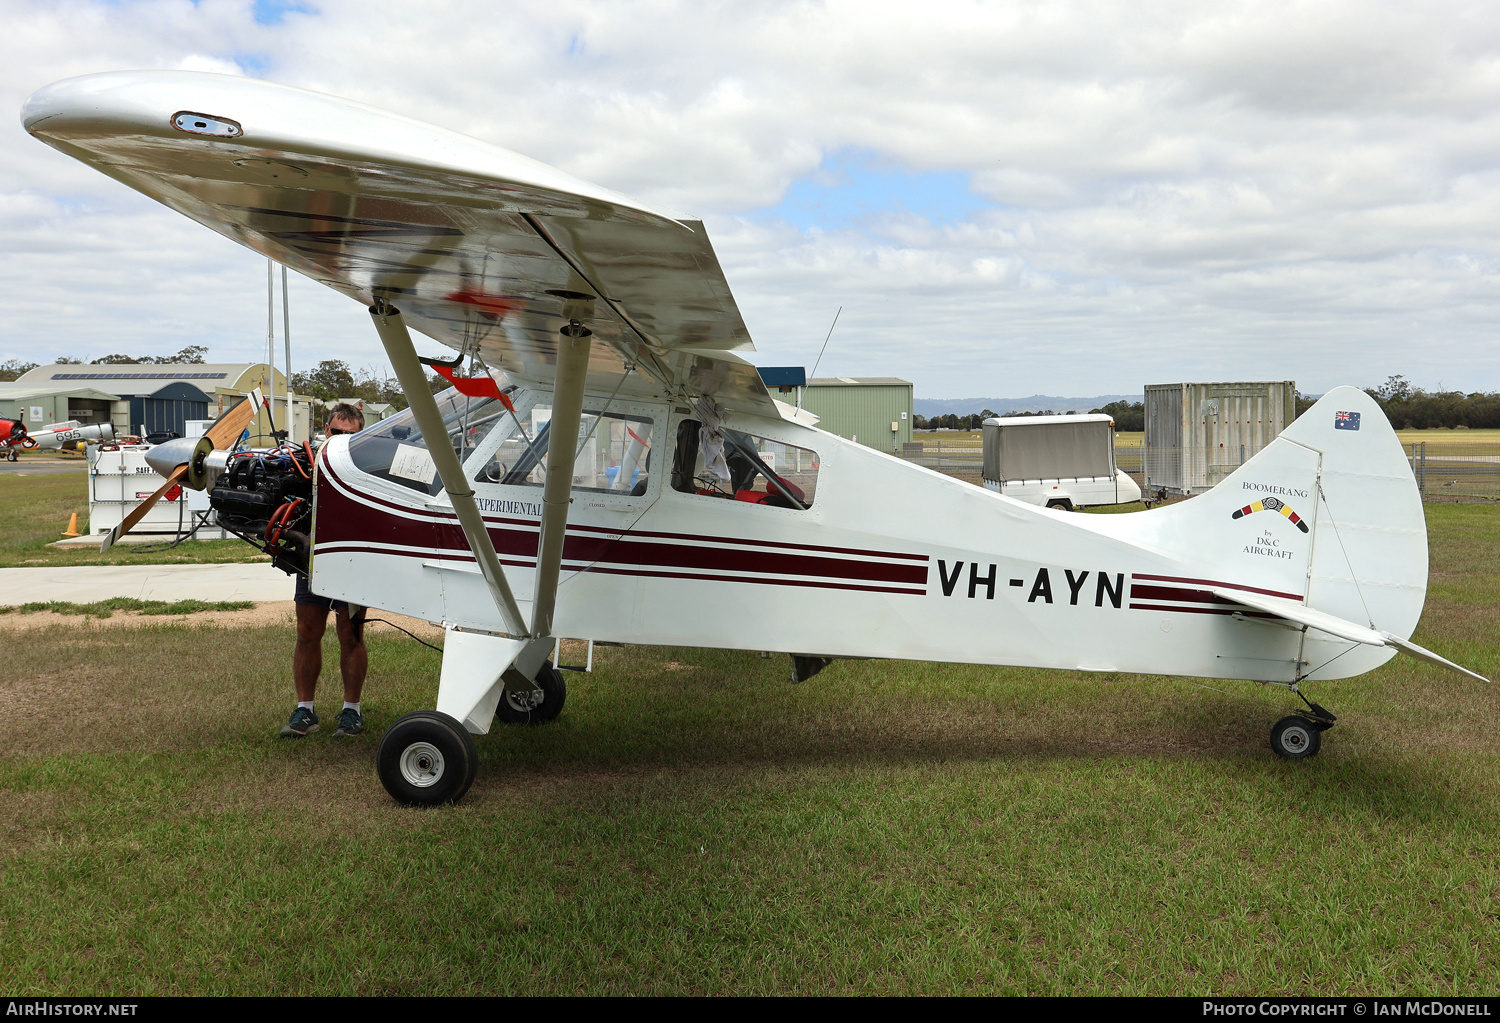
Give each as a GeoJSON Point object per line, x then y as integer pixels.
{"type": "Point", "coordinates": [422, 765]}
{"type": "Point", "coordinates": [1295, 739]}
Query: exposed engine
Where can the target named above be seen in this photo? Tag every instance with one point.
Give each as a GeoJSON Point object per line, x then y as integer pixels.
{"type": "Point", "coordinates": [265, 498]}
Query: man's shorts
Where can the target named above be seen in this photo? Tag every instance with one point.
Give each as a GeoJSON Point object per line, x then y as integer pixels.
{"type": "Point", "coordinates": [308, 597]}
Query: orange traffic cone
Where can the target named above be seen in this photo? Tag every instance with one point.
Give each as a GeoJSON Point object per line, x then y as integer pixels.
{"type": "Point", "coordinates": [73, 526]}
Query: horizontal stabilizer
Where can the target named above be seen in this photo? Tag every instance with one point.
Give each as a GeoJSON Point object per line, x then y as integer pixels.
{"type": "Point", "coordinates": [1333, 625]}
{"type": "Point", "coordinates": [1423, 654]}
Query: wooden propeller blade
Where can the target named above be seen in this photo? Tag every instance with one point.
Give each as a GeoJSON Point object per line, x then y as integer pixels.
{"type": "Point", "coordinates": [223, 433]}
{"type": "Point", "coordinates": [131, 520]}
{"type": "Point", "coordinates": [232, 423]}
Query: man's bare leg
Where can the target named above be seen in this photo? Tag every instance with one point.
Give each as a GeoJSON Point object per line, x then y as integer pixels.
{"type": "Point", "coordinates": [307, 659]}
{"type": "Point", "coordinates": [354, 660]}
{"type": "Point", "coordinates": [354, 657]}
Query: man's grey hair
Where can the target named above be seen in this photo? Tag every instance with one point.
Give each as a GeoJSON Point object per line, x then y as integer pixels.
{"type": "Point", "coordinates": [344, 410]}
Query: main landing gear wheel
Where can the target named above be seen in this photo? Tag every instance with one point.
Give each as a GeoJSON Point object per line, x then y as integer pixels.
{"type": "Point", "coordinates": [1295, 737]}
{"type": "Point", "coordinates": [525, 708]}
{"type": "Point", "coordinates": [427, 758]}
{"type": "Point", "coordinates": [11, 456]}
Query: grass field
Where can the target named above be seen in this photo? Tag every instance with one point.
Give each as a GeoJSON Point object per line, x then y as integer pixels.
{"type": "Point", "coordinates": [37, 509]}
{"type": "Point", "coordinates": [695, 824]}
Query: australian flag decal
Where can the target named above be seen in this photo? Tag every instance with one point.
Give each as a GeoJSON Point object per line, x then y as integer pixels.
{"type": "Point", "coordinates": [1346, 420]}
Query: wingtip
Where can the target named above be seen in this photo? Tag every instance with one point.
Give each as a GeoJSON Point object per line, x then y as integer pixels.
{"type": "Point", "coordinates": [1423, 654]}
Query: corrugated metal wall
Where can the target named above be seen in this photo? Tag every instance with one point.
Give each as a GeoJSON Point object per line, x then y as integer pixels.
{"type": "Point", "coordinates": [54, 410]}
{"type": "Point", "coordinates": [1197, 434]}
{"type": "Point", "coordinates": [863, 411]}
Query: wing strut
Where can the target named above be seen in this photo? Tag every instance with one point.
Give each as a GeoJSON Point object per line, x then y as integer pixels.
{"type": "Point", "coordinates": [403, 356]}
{"type": "Point", "coordinates": [562, 450]}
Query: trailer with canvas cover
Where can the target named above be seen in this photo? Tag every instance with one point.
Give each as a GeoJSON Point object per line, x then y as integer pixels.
{"type": "Point", "coordinates": [1062, 462]}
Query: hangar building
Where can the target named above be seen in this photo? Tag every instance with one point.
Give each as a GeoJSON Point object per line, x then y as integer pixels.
{"type": "Point", "coordinates": [875, 411]}
{"type": "Point", "coordinates": [147, 397]}
{"type": "Point", "coordinates": [39, 405]}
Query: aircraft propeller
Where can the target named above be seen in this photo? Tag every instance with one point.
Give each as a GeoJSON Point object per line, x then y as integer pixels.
{"type": "Point", "coordinates": [219, 436]}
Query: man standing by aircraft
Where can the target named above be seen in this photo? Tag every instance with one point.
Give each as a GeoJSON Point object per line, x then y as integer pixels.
{"type": "Point", "coordinates": [312, 622]}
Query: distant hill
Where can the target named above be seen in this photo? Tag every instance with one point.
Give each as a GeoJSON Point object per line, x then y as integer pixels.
{"type": "Point", "coordinates": [928, 407]}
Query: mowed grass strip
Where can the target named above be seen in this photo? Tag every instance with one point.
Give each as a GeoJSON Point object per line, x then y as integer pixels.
{"type": "Point", "coordinates": [107, 608]}
{"type": "Point", "coordinates": [695, 824]}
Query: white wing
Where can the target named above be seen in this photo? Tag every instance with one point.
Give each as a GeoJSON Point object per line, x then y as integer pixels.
{"type": "Point", "coordinates": [481, 248]}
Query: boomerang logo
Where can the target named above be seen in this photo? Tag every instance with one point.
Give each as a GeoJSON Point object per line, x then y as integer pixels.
{"type": "Point", "coordinates": [1272, 504]}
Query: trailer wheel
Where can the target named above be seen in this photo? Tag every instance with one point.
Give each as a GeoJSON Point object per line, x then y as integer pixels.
{"type": "Point", "coordinates": [1062, 503]}
{"type": "Point", "coordinates": [1295, 737]}
{"type": "Point", "coordinates": [427, 758]}
{"type": "Point", "coordinates": [521, 709]}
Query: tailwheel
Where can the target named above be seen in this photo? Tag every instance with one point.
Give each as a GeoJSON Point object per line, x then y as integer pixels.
{"type": "Point", "coordinates": [1296, 737]}
{"type": "Point", "coordinates": [538, 705]}
{"type": "Point", "coordinates": [427, 758]}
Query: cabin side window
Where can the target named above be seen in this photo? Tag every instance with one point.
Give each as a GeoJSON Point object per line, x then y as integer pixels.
{"type": "Point", "coordinates": [395, 449]}
{"type": "Point", "coordinates": [613, 451]}
{"type": "Point", "coordinates": [743, 467]}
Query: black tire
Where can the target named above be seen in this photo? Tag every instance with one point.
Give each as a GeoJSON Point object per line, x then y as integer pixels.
{"type": "Point", "coordinates": [11, 456]}
{"type": "Point", "coordinates": [1062, 502]}
{"type": "Point", "coordinates": [427, 758]}
{"type": "Point", "coordinates": [1295, 738]}
{"type": "Point", "coordinates": [515, 711]}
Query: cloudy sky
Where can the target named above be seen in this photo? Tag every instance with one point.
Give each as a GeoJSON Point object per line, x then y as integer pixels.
{"type": "Point", "coordinates": [1005, 198]}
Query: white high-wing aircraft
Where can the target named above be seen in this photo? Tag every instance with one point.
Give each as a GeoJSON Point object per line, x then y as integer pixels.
{"type": "Point", "coordinates": [688, 507]}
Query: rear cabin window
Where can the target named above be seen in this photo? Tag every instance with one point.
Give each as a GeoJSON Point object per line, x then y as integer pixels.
{"type": "Point", "coordinates": [761, 471]}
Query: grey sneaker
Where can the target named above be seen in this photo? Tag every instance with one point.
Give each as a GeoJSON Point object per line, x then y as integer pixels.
{"type": "Point", "coordinates": [351, 722]}
{"type": "Point", "coordinates": [301, 722]}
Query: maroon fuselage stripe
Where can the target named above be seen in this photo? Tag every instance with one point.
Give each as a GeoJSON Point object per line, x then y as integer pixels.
{"type": "Point", "coordinates": [344, 520]}
{"type": "Point", "coordinates": [469, 560]}
{"type": "Point", "coordinates": [1214, 582]}
{"type": "Point", "coordinates": [1138, 592]}
{"type": "Point", "coordinates": [450, 518]}
{"type": "Point", "coordinates": [1203, 610]}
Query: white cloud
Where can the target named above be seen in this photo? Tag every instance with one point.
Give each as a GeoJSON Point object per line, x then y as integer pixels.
{"type": "Point", "coordinates": [1249, 190]}
{"type": "Point", "coordinates": [213, 65]}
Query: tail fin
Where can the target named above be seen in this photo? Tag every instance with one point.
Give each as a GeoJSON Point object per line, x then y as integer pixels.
{"type": "Point", "coordinates": [1328, 514]}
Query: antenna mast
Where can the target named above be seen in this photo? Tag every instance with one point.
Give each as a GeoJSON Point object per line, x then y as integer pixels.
{"type": "Point", "coordinates": [814, 373]}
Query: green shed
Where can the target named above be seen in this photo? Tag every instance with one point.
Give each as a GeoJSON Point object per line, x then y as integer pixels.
{"type": "Point", "coordinates": [875, 411]}
{"type": "Point", "coordinates": [41, 405]}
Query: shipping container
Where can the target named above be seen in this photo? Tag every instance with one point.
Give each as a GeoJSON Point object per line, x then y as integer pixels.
{"type": "Point", "coordinates": [1197, 434]}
